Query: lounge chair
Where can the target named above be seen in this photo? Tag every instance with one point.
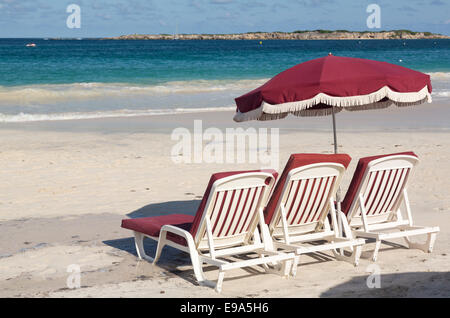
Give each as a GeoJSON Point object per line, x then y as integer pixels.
{"type": "Point", "coordinates": [371, 207]}
{"type": "Point", "coordinates": [226, 224]}
{"type": "Point", "coordinates": [302, 202]}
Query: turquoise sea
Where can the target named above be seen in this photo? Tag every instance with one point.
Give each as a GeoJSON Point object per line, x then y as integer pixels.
{"type": "Point", "coordinates": [70, 79]}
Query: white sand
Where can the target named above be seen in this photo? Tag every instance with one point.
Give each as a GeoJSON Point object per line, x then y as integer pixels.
{"type": "Point", "coordinates": [64, 191]}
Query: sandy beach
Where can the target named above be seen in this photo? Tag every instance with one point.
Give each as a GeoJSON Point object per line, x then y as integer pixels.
{"type": "Point", "coordinates": [67, 185]}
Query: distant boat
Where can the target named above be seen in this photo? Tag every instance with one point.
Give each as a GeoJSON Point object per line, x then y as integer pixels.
{"type": "Point", "coordinates": [31, 45]}
{"type": "Point", "coordinates": [175, 36]}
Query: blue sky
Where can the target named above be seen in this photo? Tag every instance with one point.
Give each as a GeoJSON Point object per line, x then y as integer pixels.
{"type": "Point", "coordinates": [47, 18]}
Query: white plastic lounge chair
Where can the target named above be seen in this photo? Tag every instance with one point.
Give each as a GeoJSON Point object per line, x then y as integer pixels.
{"type": "Point", "coordinates": [303, 200]}
{"type": "Point", "coordinates": [371, 207]}
{"type": "Point", "coordinates": [226, 224]}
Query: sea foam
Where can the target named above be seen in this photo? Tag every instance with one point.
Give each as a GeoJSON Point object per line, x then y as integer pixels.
{"type": "Point", "coordinates": [51, 102]}
{"type": "Point", "coordinates": [56, 93]}
{"type": "Point", "coordinates": [27, 117]}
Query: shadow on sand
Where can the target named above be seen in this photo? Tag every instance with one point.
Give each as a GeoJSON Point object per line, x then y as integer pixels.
{"type": "Point", "coordinates": [155, 209]}
{"type": "Point", "coordinates": [171, 259]}
{"type": "Point", "coordinates": [414, 284]}
{"type": "Point", "coordinates": [165, 208]}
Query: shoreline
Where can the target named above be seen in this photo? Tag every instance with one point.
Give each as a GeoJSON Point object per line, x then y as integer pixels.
{"type": "Point", "coordinates": [101, 100]}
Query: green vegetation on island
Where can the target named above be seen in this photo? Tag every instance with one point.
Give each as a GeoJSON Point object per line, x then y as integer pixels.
{"type": "Point", "coordinates": [319, 34]}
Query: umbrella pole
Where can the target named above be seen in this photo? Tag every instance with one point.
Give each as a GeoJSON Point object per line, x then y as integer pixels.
{"type": "Point", "coordinates": [334, 131]}
{"type": "Point", "coordinates": [338, 193]}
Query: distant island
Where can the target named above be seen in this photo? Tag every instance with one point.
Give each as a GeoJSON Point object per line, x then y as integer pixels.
{"type": "Point", "coordinates": [296, 35]}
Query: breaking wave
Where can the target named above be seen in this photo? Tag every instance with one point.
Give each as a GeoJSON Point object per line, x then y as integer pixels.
{"type": "Point", "coordinates": [25, 117]}
{"type": "Point", "coordinates": [57, 93]}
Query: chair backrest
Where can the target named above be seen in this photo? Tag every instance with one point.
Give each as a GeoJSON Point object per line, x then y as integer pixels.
{"type": "Point", "coordinates": [381, 181]}
{"type": "Point", "coordinates": [304, 190]}
{"type": "Point", "coordinates": [230, 205]}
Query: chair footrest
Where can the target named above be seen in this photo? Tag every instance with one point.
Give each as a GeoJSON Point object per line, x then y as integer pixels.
{"type": "Point", "coordinates": [339, 243]}
{"type": "Point", "coordinates": [329, 246]}
{"type": "Point", "coordinates": [406, 231]}
{"type": "Point", "coordinates": [258, 261]}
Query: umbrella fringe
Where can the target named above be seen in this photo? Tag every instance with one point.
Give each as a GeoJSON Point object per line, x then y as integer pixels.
{"type": "Point", "coordinates": [353, 103]}
{"type": "Point", "coordinates": [265, 116]}
{"type": "Point", "coordinates": [348, 101]}
{"type": "Point", "coordinates": [255, 114]}
{"type": "Point", "coordinates": [378, 105]}
{"type": "Point", "coordinates": [401, 104]}
{"type": "Point", "coordinates": [317, 112]}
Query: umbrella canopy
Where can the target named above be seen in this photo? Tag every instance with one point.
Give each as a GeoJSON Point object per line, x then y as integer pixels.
{"type": "Point", "coordinates": [329, 84]}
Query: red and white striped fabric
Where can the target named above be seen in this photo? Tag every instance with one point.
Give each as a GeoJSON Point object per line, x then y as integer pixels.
{"type": "Point", "coordinates": [305, 198]}
{"type": "Point", "coordinates": [239, 203]}
{"type": "Point", "coordinates": [381, 187]}
{"type": "Point", "coordinates": [371, 208]}
{"type": "Point", "coordinates": [225, 226]}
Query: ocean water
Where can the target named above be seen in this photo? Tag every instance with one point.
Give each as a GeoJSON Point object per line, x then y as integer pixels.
{"type": "Point", "coordinates": [75, 79]}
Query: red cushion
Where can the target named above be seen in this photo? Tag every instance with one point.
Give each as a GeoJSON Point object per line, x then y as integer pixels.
{"type": "Point", "coordinates": [296, 161]}
{"type": "Point", "coordinates": [358, 176]}
{"type": "Point", "coordinates": [152, 225]}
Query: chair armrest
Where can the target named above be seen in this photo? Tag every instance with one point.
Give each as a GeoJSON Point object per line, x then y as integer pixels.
{"type": "Point", "coordinates": [178, 231]}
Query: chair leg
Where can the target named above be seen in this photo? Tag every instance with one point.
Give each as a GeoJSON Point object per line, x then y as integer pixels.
{"type": "Point", "coordinates": [195, 259]}
{"type": "Point", "coordinates": [198, 270]}
{"type": "Point", "coordinates": [220, 281]}
{"type": "Point", "coordinates": [286, 268]}
{"type": "Point", "coordinates": [375, 252]}
{"type": "Point", "coordinates": [197, 266]}
{"type": "Point", "coordinates": [426, 247]}
{"type": "Point", "coordinates": [294, 266]}
{"type": "Point", "coordinates": [346, 228]}
{"type": "Point", "coordinates": [139, 243]}
{"type": "Point", "coordinates": [159, 248]}
{"type": "Point", "coordinates": [357, 255]}
{"type": "Point", "coordinates": [431, 240]}
{"type": "Point", "coordinates": [353, 258]}
{"type": "Point", "coordinates": [282, 268]}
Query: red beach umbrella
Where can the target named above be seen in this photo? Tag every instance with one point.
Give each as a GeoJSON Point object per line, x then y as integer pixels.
{"type": "Point", "coordinates": [327, 85]}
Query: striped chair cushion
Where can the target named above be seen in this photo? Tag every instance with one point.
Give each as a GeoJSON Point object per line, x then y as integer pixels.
{"type": "Point", "coordinates": [214, 178]}
{"type": "Point", "coordinates": [358, 178]}
{"type": "Point", "coordinates": [296, 161]}
{"type": "Point", "coordinates": [152, 225]}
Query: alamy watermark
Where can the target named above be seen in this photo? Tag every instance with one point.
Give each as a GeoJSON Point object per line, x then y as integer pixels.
{"type": "Point", "coordinates": [234, 145]}
{"type": "Point", "coordinates": [74, 279]}
{"type": "Point", "coordinates": [374, 279]}
{"type": "Point", "coordinates": [74, 19]}
{"type": "Point", "coordinates": [374, 19]}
